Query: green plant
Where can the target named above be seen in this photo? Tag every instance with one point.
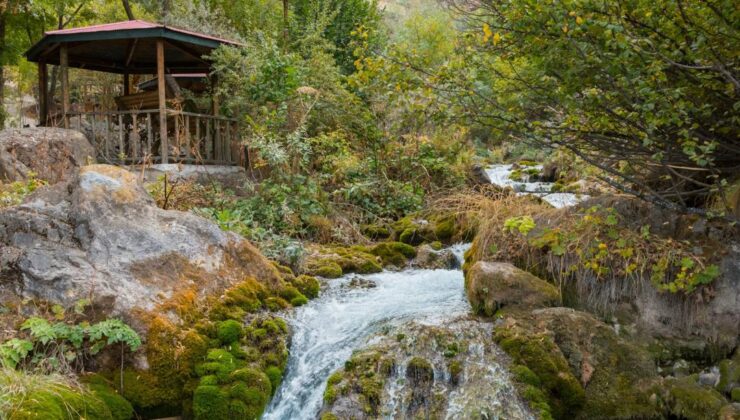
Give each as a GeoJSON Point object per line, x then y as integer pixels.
{"type": "Point", "coordinates": [13, 193]}
{"type": "Point", "coordinates": [59, 346]}
{"type": "Point", "coordinates": [521, 224]}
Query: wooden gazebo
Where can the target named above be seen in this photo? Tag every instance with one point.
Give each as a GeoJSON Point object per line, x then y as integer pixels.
{"type": "Point", "coordinates": [152, 124]}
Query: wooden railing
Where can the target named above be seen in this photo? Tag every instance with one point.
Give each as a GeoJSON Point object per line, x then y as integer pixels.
{"type": "Point", "coordinates": [132, 137]}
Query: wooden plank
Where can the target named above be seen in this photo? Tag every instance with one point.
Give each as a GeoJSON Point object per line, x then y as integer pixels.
{"type": "Point", "coordinates": [187, 136]}
{"type": "Point", "coordinates": [43, 93]}
{"type": "Point", "coordinates": [126, 84]}
{"type": "Point", "coordinates": [121, 147]}
{"type": "Point", "coordinates": [149, 133]}
{"type": "Point", "coordinates": [177, 137]}
{"type": "Point", "coordinates": [162, 102]}
{"type": "Point", "coordinates": [64, 67]}
{"type": "Point", "coordinates": [133, 137]}
{"type": "Point", "coordinates": [197, 137]}
{"type": "Point", "coordinates": [217, 140]}
{"type": "Point", "coordinates": [209, 144]}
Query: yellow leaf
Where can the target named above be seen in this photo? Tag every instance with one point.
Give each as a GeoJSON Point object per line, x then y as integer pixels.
{"type": "Point", "coordinates": [572, 13]}
{"type": "Point", "coordinates": [565, 28]}
{"type": "Point", "coordinates": [579, 20]}
{"type": "Point", "coordinates": [496, 38]}
{"type": "Point", "coordinates": [486, 32]}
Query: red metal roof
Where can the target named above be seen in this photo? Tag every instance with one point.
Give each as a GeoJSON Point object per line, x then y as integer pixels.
{"type": "Point", "coordinates": [133, 25]}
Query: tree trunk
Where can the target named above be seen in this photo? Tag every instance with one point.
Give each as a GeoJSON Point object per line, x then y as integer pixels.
{"type": "Point", "coordinates": [127, 8]}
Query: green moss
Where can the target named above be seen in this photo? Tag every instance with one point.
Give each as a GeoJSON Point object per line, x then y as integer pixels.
{"type": "Point", "coordinates": [436, 245]}
{"type": "Point", "coordinates": [687, 399]}
{"type": "Point", "coordinates": [329, 416]}
{"type": "Point", "coordinates": [275, 375]}
{"type": "Point", "coordinates": [229, 331]}
{"type": "Point", "coordinates": [735, 394]}
{"type": "Point", "coordinates": [62, 403]}
{"type": "Point", "coordinates": [729, 375]}
{"type": "Point", "coordinates": [299, 301]}
{"type": "Point", "coordinates": [327, 269]}
{"type": "Point", "coordinates": [444, 229]}
{"type": "Point", "coordinates": [368, 267]}
{"type": "Point", "coordinates": [541, 356]}
{"type": "Point", "coordinates": [524, 375]}
{"type": "Point", "coordinates": [210, 402]}
{"type": "Point", "coordinates": [456, 369]}
{"type": "Point", "coordinates": [375, 232]}
{"type": "Point", "coordinates": [419, 370]}
{"type": "Point", "coordinates": [308, 285]}
{"type": "Point", "coordinates": [394, 253]}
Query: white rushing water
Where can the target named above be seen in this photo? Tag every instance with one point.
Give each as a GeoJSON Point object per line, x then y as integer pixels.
{"type": "Point", "coordinates": [499, 175]}
{"type": "Point", "coordinates": [328, 329]}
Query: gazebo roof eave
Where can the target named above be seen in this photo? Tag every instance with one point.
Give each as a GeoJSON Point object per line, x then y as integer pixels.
{"type": "Point", "coordinates": [41, 49]}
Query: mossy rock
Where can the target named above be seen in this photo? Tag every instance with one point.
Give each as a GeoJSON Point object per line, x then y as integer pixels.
{"type": "Point", "coordinates": [494, 286]}
{"type": "Point", "coordinates": [565, 395]}
{"type": "Point", "coordinates": [685, 398]}
{"type": "Point", "coordinates": [309, 286]}
{"type": "Point", "coordinates": [419, 371]}
{"type": "Point", "coordinates": [230, 331]}
{"type": "Point", "coordinates": [394, 253]}
{"type": "Point", "coordinates": [729, 375]}
{"type": "Point", "coordinates": [375, 232]}
{"type": "Point", "coordinates": [359, 385]}
{"type": "Point", "coordinates": [325, 268]}
{"type": "Point", "coordinates": [444, 229]}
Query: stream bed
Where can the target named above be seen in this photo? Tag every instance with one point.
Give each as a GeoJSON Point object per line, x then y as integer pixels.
{"type": "Point", "coordinates": [355, 311]}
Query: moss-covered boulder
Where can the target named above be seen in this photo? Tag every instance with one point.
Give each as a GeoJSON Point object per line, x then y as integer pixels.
{"type": "Point", "coordinates": [395, 254]}
{"type": "Point", "coordinates": [335, 261]}
{"type": "Point", "coordinates": [685, 398]}
{"type": "Point", "coordinates": [579, 365]}
{"type": "Point", "coordinates": [493, 286]}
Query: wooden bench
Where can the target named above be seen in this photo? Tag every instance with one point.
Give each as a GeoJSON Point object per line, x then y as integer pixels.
{"type": "Point", "coordinates": [141, 100]}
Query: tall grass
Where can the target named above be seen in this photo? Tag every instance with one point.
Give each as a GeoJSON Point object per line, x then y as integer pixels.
{"type": "Point", "coordinates": [25, 394]}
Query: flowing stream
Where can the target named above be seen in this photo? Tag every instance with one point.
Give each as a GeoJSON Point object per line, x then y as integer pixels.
{"type": "Point", "coordinates": [499, 175]}
{"type": "Point", "coordinates": [346, 318]}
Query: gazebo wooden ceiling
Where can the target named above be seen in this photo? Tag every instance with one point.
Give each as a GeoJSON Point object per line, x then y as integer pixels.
{"type": "Point", "coordinates": [127, 47]}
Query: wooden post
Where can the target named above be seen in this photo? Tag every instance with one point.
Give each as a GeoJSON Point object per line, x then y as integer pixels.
{"type": "Point", "coordinates": [64, 66]}
{"type": "Point", "coordinates": [162, 101]}
{"type": "Point", "coordinates": [43, 93]}
{"type": "Point", "coordinates": [215, 111]}
{"type": "Point", "coordinates": [126, 85]}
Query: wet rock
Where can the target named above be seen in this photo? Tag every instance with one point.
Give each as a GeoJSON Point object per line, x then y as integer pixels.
{"type": "Point", "coordinates": [420, 377]}
{"type": "Point", "coordinates": [710, 378]}
{"type": "Point", "coordinates": [100, 236]}
{"type": "Point", "coordinates": [681, 368]}
{"type": "Point", "coordinates": [361, 283]}
{"type": "Point", "coordinates": [53, 154]}
{"type": "Point", "coordinates": [491, 286]}
{"type": "Point", "coordinates": [478, 175]}
{"type": "Point", "coordinates": [430, 259]}
{"type": "Point", "coordinates": [428, 364]}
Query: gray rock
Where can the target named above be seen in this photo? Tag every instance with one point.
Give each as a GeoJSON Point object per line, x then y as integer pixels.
{"type": "Point", "coordinates": [101, 236]}
{"type": "Point", "coordinates": [478, 175]}
{"type": "Point", "coordinates": [428, 258]}
{"type": "Point", "coordinates": [709, 378]}
{"type": "Point", "coordinates": [53, 154]}
{"type": "Point", "coordinates": [491, 286]}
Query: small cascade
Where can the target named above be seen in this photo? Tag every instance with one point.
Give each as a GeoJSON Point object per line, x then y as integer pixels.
{"type": "Point", "coordinates": [355, 312]}
{"type": "Point", "coordinates": [501, 175]}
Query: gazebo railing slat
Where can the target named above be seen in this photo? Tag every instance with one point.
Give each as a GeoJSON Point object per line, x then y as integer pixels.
{"type": "Point", "coordinates": [132, 136]}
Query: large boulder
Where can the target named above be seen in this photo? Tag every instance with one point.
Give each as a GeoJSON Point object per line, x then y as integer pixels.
{"type": "Point", "coordinates": [491, 286]}
{"type": "Point", "coordinates": [100, 236]}
{"type": "Point", "coordinates": [582, 367]}
{"type": "Point", "coordinates": [53, 154]}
